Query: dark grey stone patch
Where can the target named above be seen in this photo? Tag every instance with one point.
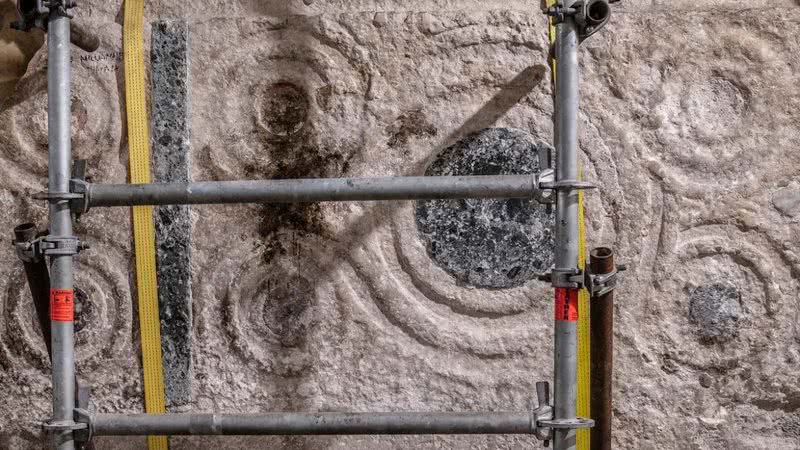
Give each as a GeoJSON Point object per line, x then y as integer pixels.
{"type": "Point", "coordinates": [285, 110]}
{"type": "Point", "coordinates": [84, 310]}
{"type": "Point", "coordinates": [716, 309]}
{"type": "Point", "coordinates": [170, 142]}
{"type": "Point", "coordinates": [488, 243]}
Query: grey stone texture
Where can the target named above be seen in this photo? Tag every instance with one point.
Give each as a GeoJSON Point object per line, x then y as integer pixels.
{"type": "Point", "coordinates": [716, 309]}
{"type": "Point", "coordinates": [688, 125]}
{"type": "Point", "coordinates": [488, 243]}
{"type": "Point", "coordinates": [171, 134]}
{"type": "Point", "coordinates": [787, 200]}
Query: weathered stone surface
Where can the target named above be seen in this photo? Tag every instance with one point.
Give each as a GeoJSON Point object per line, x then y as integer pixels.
{"type": "Point", "coordinates": [488, 243]}
{"type": "Point", "coordinates": [688, 126]}
{"type": "Point", "coordinates": [171, 134]}
{"type": "Point", "coordinates": [787, 200]}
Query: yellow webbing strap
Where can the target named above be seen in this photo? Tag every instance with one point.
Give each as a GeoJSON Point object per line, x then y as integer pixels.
{"type": "Point", "coordinates": [584, 340]}
{"type": "Point", "coordinates": [584, 343]}
{"type": "Point", "coordinates": [143, 227]}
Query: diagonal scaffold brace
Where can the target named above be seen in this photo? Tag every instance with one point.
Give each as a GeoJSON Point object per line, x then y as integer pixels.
{"type": "Point", "coordinates": [70, 195]}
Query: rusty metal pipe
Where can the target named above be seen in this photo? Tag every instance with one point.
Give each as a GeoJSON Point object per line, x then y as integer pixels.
{"type": "Point", "coordinates": [38, 277]}
{"type": "Point", "coordinates": [602, 337]}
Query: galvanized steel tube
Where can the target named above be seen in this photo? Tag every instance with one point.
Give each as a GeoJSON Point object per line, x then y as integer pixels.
{"type": "Point", "coordinates": [312, 423]}
{"type": "Point", "coordinates": [312, 190]}
{"type": "Point", "coordinates": [59, 164]}
{"type": "Point", "coordinates": [566, 252]}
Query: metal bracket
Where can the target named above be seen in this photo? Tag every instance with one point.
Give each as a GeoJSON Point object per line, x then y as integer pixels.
{"type": "Point", "coordinates": [56, 196]}
{"type": "Point", "coordinates": [545, 176]}
{"type": "Point", "coordinates": [63, 425]}
{"type": "Point", "coordinates": [60, 246]}
{"type": "Point", "coordinates": [85, 418]}
{"type": "Point", "coordinates": [590, 15]}
{"type": "Point", "coordinates": [574, 278]}
{"type": "Point", "coordinates": [543, 412]}
{"type": "Point", "coordinates": [36, 13]}
{"type": "Point", "coordinates": [27, 251]}
{"type": "Point", "coordinates": [603, 284]}
{"type": "Point", "coordinates": [572, 424]}
{"type": "Point", "coordinates": [546, 184]}
{"type": "Point", "coordinates": [30, 251]}
{"type": "Point", "coordinates": [542, 421]}
{"type": "Point", "coordinates": [78, 186]}
{"type": "Point", "coordinates": [78, 191]}
{"type": "Point", "coordinates": [568, 185]}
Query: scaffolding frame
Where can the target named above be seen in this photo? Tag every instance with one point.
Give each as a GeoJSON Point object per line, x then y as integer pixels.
{"type": "Point", "coordinates": [69, 195]}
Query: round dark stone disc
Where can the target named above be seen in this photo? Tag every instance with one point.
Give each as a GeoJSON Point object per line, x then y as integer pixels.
{"type": "Point", "coordinates": [488, 243]}
{"type": "Point", "coordinates": [716, 309]}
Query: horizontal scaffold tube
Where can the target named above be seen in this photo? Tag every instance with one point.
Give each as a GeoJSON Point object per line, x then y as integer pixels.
{"type": "Point", "coordinates": [311, 423]}
{"type": "Point", "coordinates": [312, 190]}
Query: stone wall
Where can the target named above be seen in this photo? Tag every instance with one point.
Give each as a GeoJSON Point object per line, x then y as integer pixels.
{"type": "Point", "coordinates": [689, 124]}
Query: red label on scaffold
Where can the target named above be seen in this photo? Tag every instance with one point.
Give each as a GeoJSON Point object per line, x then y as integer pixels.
{"type": "Point", "coordinates": [62, 305]}
{"type": "Point", "coordinates": [566, 305]}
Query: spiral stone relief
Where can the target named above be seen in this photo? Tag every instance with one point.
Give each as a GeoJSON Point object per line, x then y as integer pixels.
{"type": "Point", "coordinates": [96, 135]}
{"type": "Point", "coordinates": [722, 285]}
{"type": "Point", "coordinates": [408, 269]}
{"type": "Point", "coordinates": [269, 308]}
{"type": "Point", "coordinates": [102, 313]}
{"type": "Point", "coordinates": [291, 92]}
{"type": "Point", "coordinates": [699, 123]}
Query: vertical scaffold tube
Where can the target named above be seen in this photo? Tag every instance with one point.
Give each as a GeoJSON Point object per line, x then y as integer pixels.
{"type": "Point", "coordinates": [566, 255]}
{"type": "Point", "coordinates": [61, 288]}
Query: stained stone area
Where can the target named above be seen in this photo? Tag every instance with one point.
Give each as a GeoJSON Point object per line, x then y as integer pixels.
{"type": "Point", "coordinates": [716, 309]}
{"type": "Point", "coordinates": [84, 310]}
{"type": "Point", "coordinates": [285, 110]}
{"type": "Point", "coordinates": [688, 126]}
{"type": "Point", "coordinates": [287, 309]}
{"type": "Point", "coordinates": [488, 243]}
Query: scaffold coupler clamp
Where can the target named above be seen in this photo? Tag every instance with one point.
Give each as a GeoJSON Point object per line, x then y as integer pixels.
{"type": "Point", "coordinates": [590, 15]}
{"type": "Point", "coordinates": [83, 416]}
{"type": "Point", "coordinates": [36, 13]}
{"type": "Point", "coordinates": [34, 250]}
{"type": "Point", "coordinates": [63, 426]}
{"type": "Point", "coordinates": [575, 278]}
{"type": "Point", "coordinates": [77, 197]}
{"type": "Point", "coordinates": [545, 182]}
{"type": "Point", "coordinates": [542, 421]}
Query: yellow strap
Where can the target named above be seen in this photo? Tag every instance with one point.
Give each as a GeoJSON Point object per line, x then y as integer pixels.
{"type": "Point", "coordinates": [584, 342]}
{"type": "Point", "coordinates": [143, 228]}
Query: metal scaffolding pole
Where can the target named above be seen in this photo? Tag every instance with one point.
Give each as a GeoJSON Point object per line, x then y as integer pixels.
{"type": "Point", "coordinates": [312, 190]}
{"type": "Point", "coordinates": [566, 235]}
{"type": "Point", "coordinates": [70, 194]}
{"type": "Point", "coordinates": [61, 278]}
{"type": "Point", "coordinates": [312, 423]}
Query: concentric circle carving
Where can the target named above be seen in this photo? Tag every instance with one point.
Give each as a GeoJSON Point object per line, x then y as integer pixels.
{"type": "Point", "coordinates": [102, 314]}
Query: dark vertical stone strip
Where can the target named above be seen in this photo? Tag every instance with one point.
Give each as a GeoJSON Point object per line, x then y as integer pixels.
{"type": "Point", "coordinates": [170, 142]}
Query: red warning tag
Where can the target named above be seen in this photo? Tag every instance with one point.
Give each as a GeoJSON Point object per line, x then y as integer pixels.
{"type": "Point", "coordinates": [566, 304]}
{"type": "Point", "coordinates": [62, 306]}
